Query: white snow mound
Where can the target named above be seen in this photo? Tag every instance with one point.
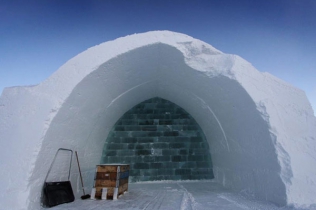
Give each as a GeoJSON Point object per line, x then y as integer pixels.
{"type": "Point", "coordinates": [261, 130]}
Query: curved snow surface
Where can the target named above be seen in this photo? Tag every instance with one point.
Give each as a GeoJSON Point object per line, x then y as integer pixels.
{"type": "Point", "coordinates": [261, 130]}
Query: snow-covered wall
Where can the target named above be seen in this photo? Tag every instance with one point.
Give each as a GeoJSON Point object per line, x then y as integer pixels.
{"type": "Point", "coordinates": [261, 130]}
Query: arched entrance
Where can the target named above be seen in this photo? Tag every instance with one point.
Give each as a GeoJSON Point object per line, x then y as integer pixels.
{"type": "Point", "coordinates": [160, 141]}
{"type": "Point", "coordinates": [260, 130]}
{"type": "Point", "coordinates": [243, 152]}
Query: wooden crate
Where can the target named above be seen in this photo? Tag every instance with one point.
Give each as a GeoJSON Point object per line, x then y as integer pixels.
{"type": "Point", "coordinates": [111, 176]}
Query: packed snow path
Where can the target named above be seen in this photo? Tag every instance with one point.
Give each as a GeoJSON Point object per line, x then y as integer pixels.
{"type": "Point", "coordinates": [193, 195]}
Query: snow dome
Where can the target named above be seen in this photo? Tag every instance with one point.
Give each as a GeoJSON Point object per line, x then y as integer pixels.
{"type": "Point", "coordinates": [260, 130]}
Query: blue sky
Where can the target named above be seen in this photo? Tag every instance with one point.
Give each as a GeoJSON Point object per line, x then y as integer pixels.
{"type": "Point", "coordinates": [276, 36]}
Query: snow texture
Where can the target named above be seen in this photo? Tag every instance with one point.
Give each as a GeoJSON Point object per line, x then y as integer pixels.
{"type": "Point", "coordinates": [182, 195]}
{"type": "Point", "coordinates": [261, 130]}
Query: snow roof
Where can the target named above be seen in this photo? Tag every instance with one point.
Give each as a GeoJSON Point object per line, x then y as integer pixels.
{"type": "Point", "coordinates": [261, 130]}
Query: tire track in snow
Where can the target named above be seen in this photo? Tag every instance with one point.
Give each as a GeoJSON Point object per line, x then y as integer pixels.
{"type": "Point", "coordinates": [154, 199]}
{"type": "Point", "coordinates": [192, 202]}
{"type": "Point", "coordinates": [233, 201]}
{"type": "Point", "coordinates": [185, 202]}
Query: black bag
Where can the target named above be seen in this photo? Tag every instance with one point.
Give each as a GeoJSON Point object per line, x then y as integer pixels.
{"type": "Point", "coordinates": [55, 193]}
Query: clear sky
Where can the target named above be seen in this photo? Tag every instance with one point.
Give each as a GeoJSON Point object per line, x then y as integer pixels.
{"type": "Point", "coordinates": [276, 36]}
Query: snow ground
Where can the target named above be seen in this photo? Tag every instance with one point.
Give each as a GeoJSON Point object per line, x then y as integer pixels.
{"type": "Point", "coordinates": [184, 195]}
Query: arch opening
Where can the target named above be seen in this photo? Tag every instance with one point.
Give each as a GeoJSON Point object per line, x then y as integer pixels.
{"type": "Point", "coordinates": [252, 121]}
{"type": "Point", "coordinates": [160, 141]}
{"type": "Point", "coordinates": [233, 127]}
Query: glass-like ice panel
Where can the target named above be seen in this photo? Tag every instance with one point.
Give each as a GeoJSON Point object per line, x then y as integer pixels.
{"type": "Point", "coordinates": [160, 141]}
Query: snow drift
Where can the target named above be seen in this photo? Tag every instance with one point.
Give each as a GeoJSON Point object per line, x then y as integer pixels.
{"type": "Point", "coordinates": [261, 130]}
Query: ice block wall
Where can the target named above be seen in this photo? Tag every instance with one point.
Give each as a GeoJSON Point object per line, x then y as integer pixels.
{"type": "Point", "coordinates": [160, 141]}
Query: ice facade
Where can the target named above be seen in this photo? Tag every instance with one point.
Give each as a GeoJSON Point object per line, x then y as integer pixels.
{"type": "Point", "coordinates": [260, 130]}
{"type": "Point", "coordinates": [160, 141]}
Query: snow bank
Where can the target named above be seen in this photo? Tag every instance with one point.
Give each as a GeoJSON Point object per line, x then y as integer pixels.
{"type": "Point", "coordinates": [261, 130]}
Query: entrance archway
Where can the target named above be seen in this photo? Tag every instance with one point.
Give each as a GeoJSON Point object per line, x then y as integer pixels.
{"type": "Point", "coordinates": [243, 153]}
{"type": "Point", "coordinates": [160, 141]}
{"type": "Point", "coordinates": [252, 121]}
